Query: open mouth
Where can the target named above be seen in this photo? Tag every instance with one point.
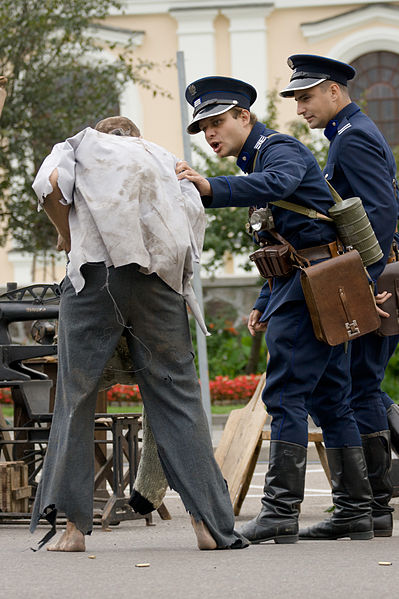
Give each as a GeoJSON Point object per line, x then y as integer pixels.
{"type": "Point", "coordinates": [216, 145]}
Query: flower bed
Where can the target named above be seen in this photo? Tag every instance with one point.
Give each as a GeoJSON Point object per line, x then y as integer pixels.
{"type": "Point", "coordinates": [222, 389]}
{"type": "Point", "coordinates": [240, 389]}
{"type": "Point", "coordinates": [124, 394]}
{"type": "Point", "coordinates": [5, 395]}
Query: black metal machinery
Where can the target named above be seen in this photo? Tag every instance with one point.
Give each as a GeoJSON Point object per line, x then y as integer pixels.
{"type": "Point", "coordinates": [27, 438]}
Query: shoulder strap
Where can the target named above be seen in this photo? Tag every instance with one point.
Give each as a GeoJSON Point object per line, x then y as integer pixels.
{"type": "Point", "coordinates": [310, 212]}
{"type": "Point", "coordinates": [257, 151]}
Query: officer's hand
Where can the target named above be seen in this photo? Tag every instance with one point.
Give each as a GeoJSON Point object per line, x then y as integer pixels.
{"type": "Point", "coordinates": [254, 326]}
{"type": "Point", "coordinates": [381, 298]}
{"type": "Point", "coordinates": [63, 244]}
{"type": "Point", "coordinates": [184, 171]}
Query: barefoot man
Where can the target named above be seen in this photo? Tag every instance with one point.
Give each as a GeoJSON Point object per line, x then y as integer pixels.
{"type": "Point", "coordinates": [131, 231]}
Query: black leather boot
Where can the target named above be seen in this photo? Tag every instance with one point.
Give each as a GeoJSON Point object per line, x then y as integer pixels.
{"type": "Point", "coordinates": [377, 452]}
{"type": "Point", "coordinates": [393, 423]}
{"type": "Point", "coordinates": [283, 493]}
{"type": "Point", "coordinates": [351, 496]}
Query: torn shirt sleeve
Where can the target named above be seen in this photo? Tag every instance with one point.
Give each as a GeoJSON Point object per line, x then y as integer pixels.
{"type": "Point", "coordinates": [62, 157]}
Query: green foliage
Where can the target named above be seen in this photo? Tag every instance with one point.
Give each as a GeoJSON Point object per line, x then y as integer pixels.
{"type": "Point", "coordinates": [228, 348]}
{"type": "Point", "coordinates": [390, 382]}
{"type": "Point", "coordinates": [59, 82]}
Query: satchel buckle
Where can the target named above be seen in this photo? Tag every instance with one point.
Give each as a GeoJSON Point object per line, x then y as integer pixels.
{"type": "Point", "coordinates": [352, 328]}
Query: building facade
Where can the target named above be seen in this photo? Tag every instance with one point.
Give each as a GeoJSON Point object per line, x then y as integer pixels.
{"type": "Point", "coordinates": [250, 40]}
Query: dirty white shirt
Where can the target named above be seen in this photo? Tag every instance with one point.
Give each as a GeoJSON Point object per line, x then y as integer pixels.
{"type": "Point", "coordinates": [127, 206]}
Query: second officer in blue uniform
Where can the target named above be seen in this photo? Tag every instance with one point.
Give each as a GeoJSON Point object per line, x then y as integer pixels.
{"type": "Point", "coordinates": [360, 163]}
{"type": "Point", "coordinates": [280, 167]}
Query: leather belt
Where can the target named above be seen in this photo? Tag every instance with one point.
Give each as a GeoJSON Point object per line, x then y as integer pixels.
{"type": "Point", "coordinates": [320, 252]}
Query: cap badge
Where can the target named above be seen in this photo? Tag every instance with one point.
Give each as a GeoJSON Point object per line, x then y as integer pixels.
{"type": "Point", "coordinates": [192, 90]}
{"type": "Point", "coordinates": [290, 63]}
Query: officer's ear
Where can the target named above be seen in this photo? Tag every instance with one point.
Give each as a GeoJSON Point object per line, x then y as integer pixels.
{"type": "Point", "coordinates": [335, 91]}
{"type": "Point", "coordinates": [245, 116]}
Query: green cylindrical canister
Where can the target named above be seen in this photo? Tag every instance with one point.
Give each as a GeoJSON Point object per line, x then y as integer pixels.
{"type": "Point", "coordinates": [354, 228]}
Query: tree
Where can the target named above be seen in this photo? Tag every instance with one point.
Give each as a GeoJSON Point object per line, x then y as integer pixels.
{"type": "Point", "coordinates": [58, 83]}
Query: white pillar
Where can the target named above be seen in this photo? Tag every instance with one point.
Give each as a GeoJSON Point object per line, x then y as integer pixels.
{"type": "Point", "coordinates": [196, 38]}
{"type": "Point", "coordinates": [248, 43]}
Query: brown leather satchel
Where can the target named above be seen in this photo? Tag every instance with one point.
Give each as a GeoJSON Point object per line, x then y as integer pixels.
{"type": "Point", "coordinates": [389, 281]}
{"type": "Point", "coordinates": [339, 299]}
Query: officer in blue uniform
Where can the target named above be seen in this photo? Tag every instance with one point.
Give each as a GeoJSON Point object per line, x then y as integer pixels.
{"type": "Point", "coordinates": [280, 167]}
{"type": "Point", "coordinates": [360, 163]}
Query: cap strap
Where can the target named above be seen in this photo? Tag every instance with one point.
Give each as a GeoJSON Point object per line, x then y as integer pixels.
{"type": "Point", "coordinates": [215, 101]}
{"type": "Point", "coordinates": [307, 75]}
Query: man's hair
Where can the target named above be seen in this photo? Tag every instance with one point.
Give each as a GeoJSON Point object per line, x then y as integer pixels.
{"type": "Point", "coordinates": [118, 125]}
{"type": "Point", "coordinates": [326, 84]}
{"type": "Point", "coordinates": [236, 111]}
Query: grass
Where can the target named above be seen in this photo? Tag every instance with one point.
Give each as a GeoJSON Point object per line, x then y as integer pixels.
{"type": "Point", "coordinates": [8, 410]}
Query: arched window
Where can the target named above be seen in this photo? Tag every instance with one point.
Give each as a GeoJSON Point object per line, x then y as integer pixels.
{"type": "Point", "coordinates": [376, 88]}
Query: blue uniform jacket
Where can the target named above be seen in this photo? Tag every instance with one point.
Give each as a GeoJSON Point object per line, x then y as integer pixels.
{"type": "Point", "coordinates": [278, 167]}
{"type": "Point", "coordinates": [360, 163]}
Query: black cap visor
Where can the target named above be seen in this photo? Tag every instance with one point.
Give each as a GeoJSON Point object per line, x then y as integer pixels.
{"type": "Point", "coordinates": [207, 111]}
{"type": "Point", "coordinates": [300, 84]}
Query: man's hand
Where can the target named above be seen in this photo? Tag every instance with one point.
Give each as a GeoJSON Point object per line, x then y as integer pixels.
{"type": "Point", "coordinates": [381, 298]}
{"type": "Point", "coordinates": [58, 213]}
{"type": "Point", "coordinates": [3, 92]}
{"type": "Point", "coordinates": [63, 244]}
{"type": "Point", "coordinates": [184, 171]}
{"type": "Point", "coordinates": [254, 326]}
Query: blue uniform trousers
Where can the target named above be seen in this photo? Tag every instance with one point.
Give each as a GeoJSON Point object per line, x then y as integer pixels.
{"type": "Point", "coordinates": [304, 373]}
{"type": "Point", "coordinates": [370, 355]}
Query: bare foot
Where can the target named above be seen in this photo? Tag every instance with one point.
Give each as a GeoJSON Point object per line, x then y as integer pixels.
{"type": "Point", "coordinates": [71, 540]}
{"type": "Point", "coordinates": [204, 538]}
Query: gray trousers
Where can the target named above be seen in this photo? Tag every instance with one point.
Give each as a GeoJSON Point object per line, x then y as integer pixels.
{"type": "Point", "coordinates": [90, 327]}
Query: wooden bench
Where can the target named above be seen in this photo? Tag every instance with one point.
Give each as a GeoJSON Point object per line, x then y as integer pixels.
{"type": "Point", "coordinates": [241, 442]}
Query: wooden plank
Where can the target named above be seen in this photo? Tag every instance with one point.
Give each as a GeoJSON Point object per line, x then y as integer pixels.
{"type": "Point", "coordinates": [239, 441]}
{"type": "Point", "coordinates": [321, 450]}
{"type": "Point", "coordinates": [15, 491]}
{"type": "Point", "coordinates": [21, 493]}
{"type": "Point", "coordinates": [248, 478]}
{"type": "Point", "coordinates": [312, 437]}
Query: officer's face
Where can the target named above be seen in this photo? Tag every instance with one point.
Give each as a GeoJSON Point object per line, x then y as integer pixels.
{"type": "Point", "coordinates": [317, 105]}
{"type": "Point", "coordinates": [225, 134]}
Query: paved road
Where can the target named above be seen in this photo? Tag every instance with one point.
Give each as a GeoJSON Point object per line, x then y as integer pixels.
{"type": "Point", "coordinates": [307, 570]}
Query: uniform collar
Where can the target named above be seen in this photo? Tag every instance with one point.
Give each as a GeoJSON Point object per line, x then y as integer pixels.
{"type": "Point", "coordinates": [253, 143]}
{"type": "Point", "coordinates": [345, 114]}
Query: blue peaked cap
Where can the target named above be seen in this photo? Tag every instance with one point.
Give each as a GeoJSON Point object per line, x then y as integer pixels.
{"type": "Point", "coordinates": [211, 96]}
{"type": "Point", "coordinates": [310, 70]}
